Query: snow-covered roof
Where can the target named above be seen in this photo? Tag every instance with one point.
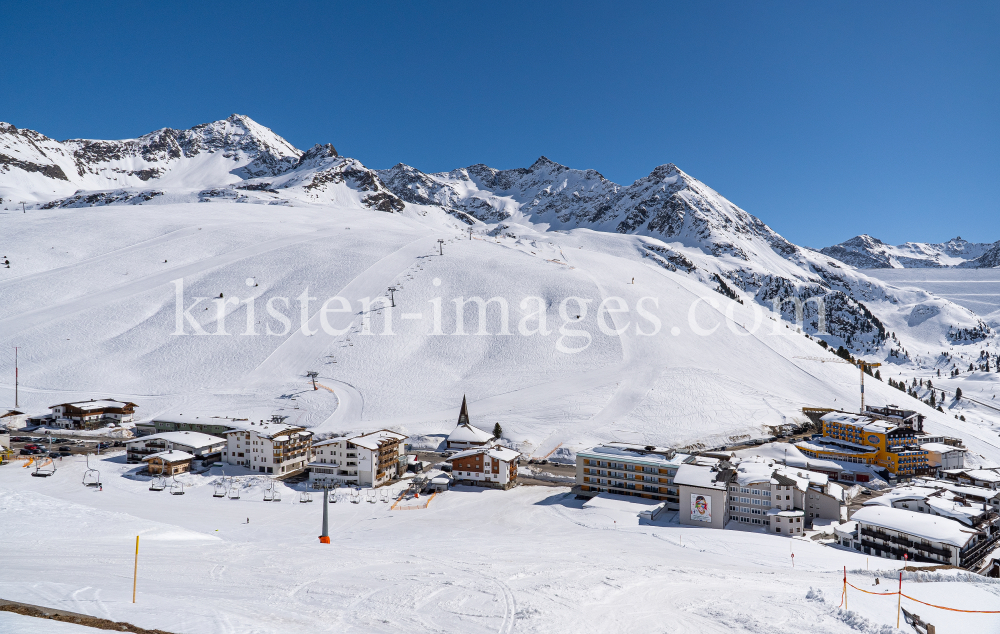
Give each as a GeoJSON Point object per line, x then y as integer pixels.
{"type": "Point", "coordinates": [375, 439]}
{"type": "Point", "coordinates": [862, 422]}
{"type": "Point", "coordinates": [939, 447]}
{"type": "Point", "coordinates": [197, 419]}
{"type": "Point", "coordinates": [913, 492]}
{"type": "Point", "coordinates": [751, 471]}
{"type": "Point", "coordinates": [493, 451]}
{"type": "Point", "coordinates": [90, 405]}
{"type": "Point", "coordinates": [697, 476]}
{"type": "Point", "coordinates": [467, 433]}
{"type": "Point", "coordinates": [955, 510]}
{"type": "Point", "coordinates": [829, 444]}
{"type": "Point", "coordinates": [961, 489]}
{"type": "Point", "coordinates": [193, 439]}
{"type": "Point", "coordinates": [986, 475]}
{"type": "Point", "coordinates": [932, 527]}
{"type": "Point", "coordinates": [606, 452]}
{"type": "Point", "coordinates": [170, 456]}
{"type": "Point", "coordinates": [815, 463]}
{"type": "Point", "coordinates": [847, 529]}
{"type": "Point", "coordinates": [267, 429]}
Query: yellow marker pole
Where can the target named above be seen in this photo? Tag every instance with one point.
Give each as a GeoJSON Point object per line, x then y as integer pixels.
{"type": "Point", "coordinates": [135, 572]}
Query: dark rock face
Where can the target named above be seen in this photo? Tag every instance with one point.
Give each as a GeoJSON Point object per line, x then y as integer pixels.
{"type": "Point", "coordinates": [52, 171]}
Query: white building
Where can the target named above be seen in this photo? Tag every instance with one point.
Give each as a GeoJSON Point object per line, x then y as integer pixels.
{"type": "Point", "coordinates": [91, 414]}
{"type": "Point", "coordinates": [370, 459]}
{"type": "Point", "coordinates": [200, 446]}
{"type": "Point", "coordinates": [884, 531]}
{"type": "Point", "coordinates": [942, 456]}
{"type": "Point", "coordinates": [490, 466]}
{"type": "Point", "coordinates": [268, 447]}
{"type": "Point", "coordinates": [13, 419]}
{"type": "Point", "coordinates": [762, 487]}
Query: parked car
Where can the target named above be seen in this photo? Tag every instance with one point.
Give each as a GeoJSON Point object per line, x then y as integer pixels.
{"type": "Point", "coordinates": [31, 446]}
{"type": "Point", "coordinates": [26, 452]}
{"type": "Point", "coordinates": [65, 452]}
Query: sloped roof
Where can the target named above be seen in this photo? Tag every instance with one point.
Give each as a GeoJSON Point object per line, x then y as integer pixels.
{"type": "Point", "coordinates": [467, 433]}
{"type": "Point", "coordinates": [193, 439]}
{"type": "Point", "coordinates": [493, 451]}
{"type": "Point", "coordinates": [697, 476]}
{"type": "Point", "coordinates": [931, 527]}
{"type": "Point", "coordinates": [375, 439]}
{"type": "Point", "coordinates": [170, 456]}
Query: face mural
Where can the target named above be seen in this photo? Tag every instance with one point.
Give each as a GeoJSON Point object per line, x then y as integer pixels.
{"type": "Point", "coordinates": [701, 508]}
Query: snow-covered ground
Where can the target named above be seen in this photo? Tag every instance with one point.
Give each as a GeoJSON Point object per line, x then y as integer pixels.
{"type": "Point", "coordinates": [526, 560]}
{"type": "Point", "coordinates": [976, 289]}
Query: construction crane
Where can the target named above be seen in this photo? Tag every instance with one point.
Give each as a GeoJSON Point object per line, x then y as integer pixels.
{"type": "Point", "coordinates": [861, 363]}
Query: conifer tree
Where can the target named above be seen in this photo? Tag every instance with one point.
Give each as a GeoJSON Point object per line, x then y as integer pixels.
{"type": "Point", "coordinates": [958, 393]}
{"type": "Point", "coordinates": [497, 431]}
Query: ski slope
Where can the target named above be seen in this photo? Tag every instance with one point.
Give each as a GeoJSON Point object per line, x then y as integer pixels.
{"type": "Point", "coordinates": [91, 298]}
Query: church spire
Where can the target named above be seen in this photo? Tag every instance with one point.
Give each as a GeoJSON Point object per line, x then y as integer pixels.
{"type": "Point", "coordinates": [463, 416]}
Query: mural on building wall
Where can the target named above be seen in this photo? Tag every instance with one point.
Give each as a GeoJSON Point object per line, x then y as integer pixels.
{"type": "Point", "coordinates": [701, 508]}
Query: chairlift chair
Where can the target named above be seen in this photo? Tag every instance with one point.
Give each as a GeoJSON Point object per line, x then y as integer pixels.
{"type": "Point", "coordinates": [385, 495]}
{"type": "Point", "coordinates": [38, 473]}
{"type": "Point", "coordinates": [91, 477]}
{"type": "Point", "coordinates": [234, 491]}
{"type": "Point", "coordinates": [158, 484]}
{"type": "Point", "coordinates": [176, 488]}
{"type": "Point", "coordinates": [305, 496]}
{"type": "Point", "coordinates": [220, 489]}
{"type": "Point", "coordinates": [269, 492]}
{"type": "Point", "coordinates": [372, 496]}
{"type": "Point", "coordinates": [275, 494]}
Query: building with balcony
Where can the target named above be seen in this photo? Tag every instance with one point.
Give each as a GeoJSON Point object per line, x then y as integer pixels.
{"type": "Point", "coordinates": [490, 466]}
{"type": "Point", "coordinates": [628, 469]}
{"type": "Point", "coordinates": [370, 459]}
{"type": "Point", "coordinates": [168, 462]}
{"type": "Point", "coordinates": [199, 446]}
{"type": "Point", "coordinates": [90, 414]}
{"type": "Point", "coordinates": [268, 447]}
{"type": "Point", "coordinates": [891, 445]}
{"type": "Point", "coordinates": [884, 531]}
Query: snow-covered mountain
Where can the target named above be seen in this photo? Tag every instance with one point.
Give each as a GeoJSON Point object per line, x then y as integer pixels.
{"type": "Point", "coordinates": [686, 226]}
{"type": "Point", "coordinates": [866, 252]}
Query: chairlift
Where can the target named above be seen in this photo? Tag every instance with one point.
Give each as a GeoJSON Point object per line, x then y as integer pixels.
{"type": "Point", "coordinates": [176, 488]}
{"type": "Point", "coordinates": [220, 489]}
{"type": "Point", "coordinates": [269, 492]}
{"type": "Point", "coordinates": [385, 495]}
{"type": "Point", "coordinates": [372, 496]}
{"type": "Point", "coordinates": [305, 496]}
{"type": "Point", "coordinates": [91, 477]}
{"type": "Point", "coordinates": [39, 473]}
{"type": "Point", "coordinates": [158, 484]}
{"type": "Point", "coordinates": [275, 494]}
{"type": "Point", "coordinates": [234, 491]}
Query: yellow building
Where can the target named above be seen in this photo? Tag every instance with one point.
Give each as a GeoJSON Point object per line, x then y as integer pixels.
{"type": "Point", "coordinates": [864, 440]}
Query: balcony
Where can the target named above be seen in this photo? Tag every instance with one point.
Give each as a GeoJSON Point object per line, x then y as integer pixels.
{"type": "Point", "coordinates": [902, 541]}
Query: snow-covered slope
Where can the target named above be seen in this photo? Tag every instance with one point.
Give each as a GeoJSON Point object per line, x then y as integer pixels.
{"type": "Point", "coordinates": [93, 269]}
{"type": "Point", "coordinates": [866, 252]}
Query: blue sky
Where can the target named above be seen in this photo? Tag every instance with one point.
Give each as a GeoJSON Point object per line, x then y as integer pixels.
{"type": "Point", "coordinates": [823, 119]}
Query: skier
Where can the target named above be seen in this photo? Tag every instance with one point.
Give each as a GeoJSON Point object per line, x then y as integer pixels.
{"type": "Point", "coordinates": [248, 520]}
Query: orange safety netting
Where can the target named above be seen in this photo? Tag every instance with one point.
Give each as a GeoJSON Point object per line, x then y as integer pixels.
{"type": "Point", "coordinates": [940, 607]}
